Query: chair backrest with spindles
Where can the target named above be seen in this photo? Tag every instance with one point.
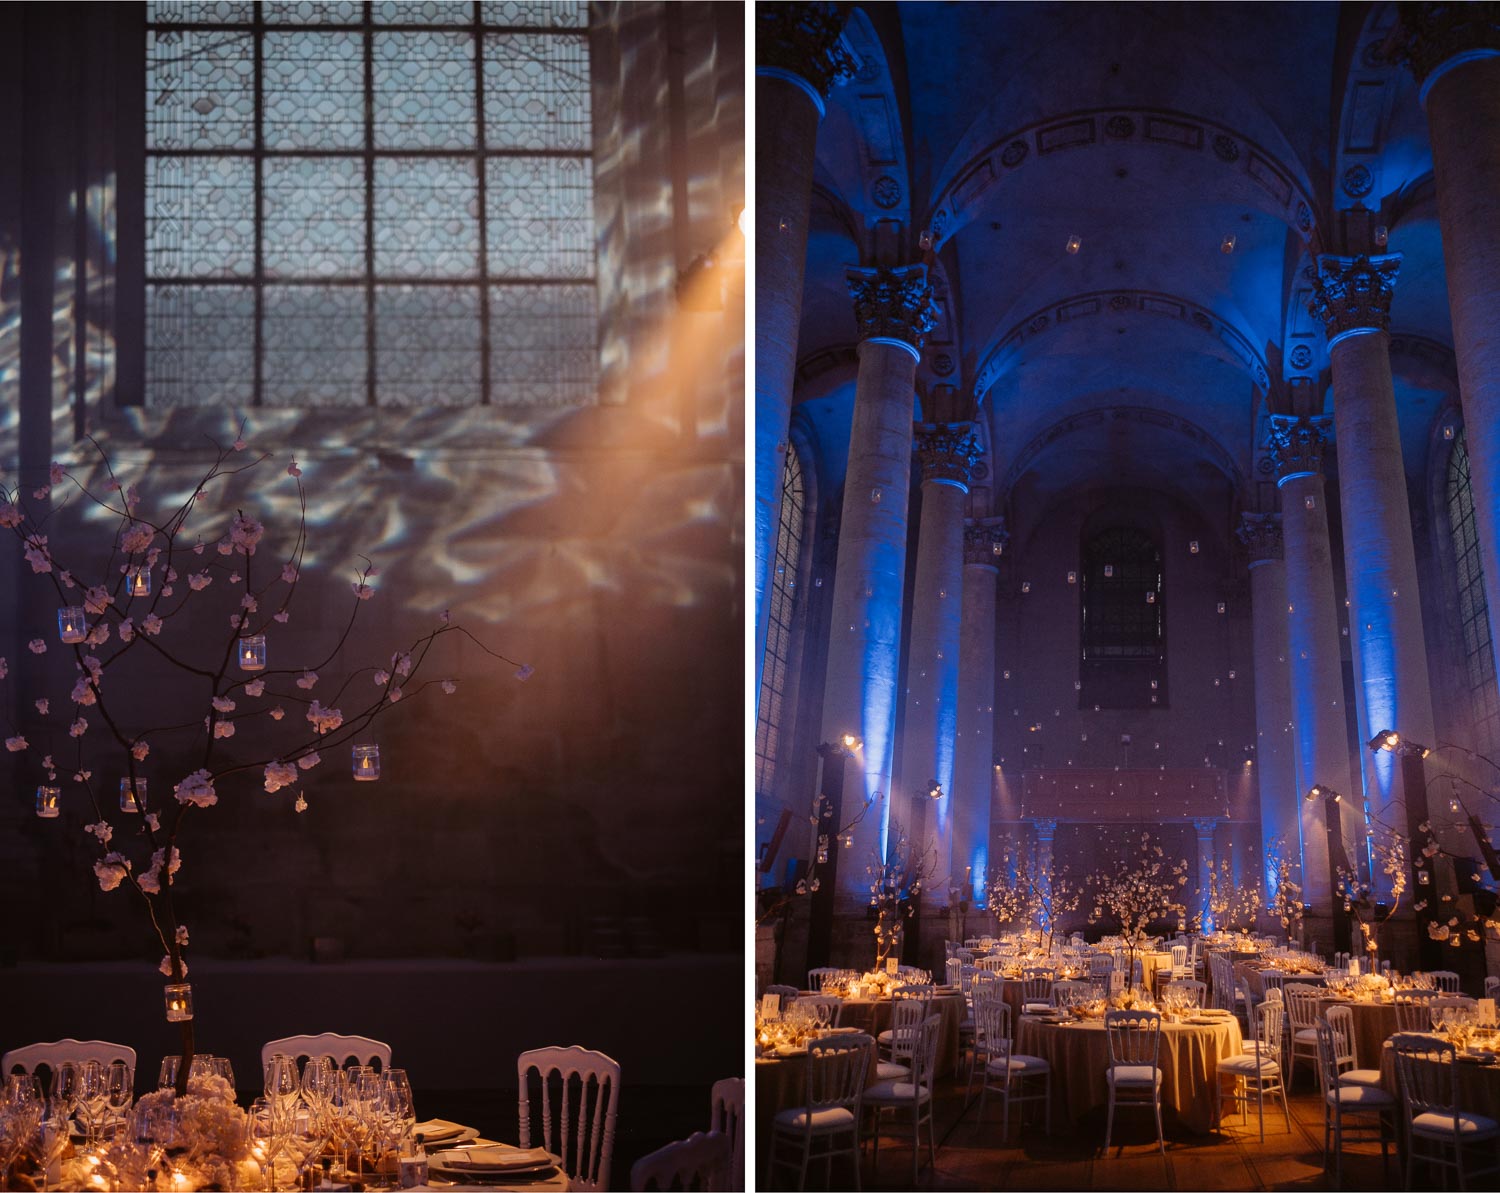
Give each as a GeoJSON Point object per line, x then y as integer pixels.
{"type": "Point", "coordinates": [1412, 1012]}
{"type": "Point", "coordinates": [836, 1071]}
{"type": "Point", "coordinates": [585, 1086]}
{"type": "Point", "coordinates": [815, 976]}
{"type": "Point", "coordinates": [1340, 1021]}
{"type": "Point", "coordinates": [1302, 1004]}
{"type": "Point", "coordinates": [57, 1052]}
{"type": "Point", "coordinates": [1199, 990]}
{"type": "Point", "coordinates": [1428, 1075]}
{"type": "Point", "coordinates": [1134, 1037]}
{"type": "Point", "coordinates": [727, 1118]}
{"type": "Point", "coordinates": [343, 1049]}
{"type": "Point", "coordinates": [1445, 980]}
{"type": "Point", "coordinates": [699, 1162]}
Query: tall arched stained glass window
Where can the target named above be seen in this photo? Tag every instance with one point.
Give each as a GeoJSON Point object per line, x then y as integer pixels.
{"type": "Point", "coordinates": [1122, 596]}
{"type": "Point", "coordinates": [378, 203]}
{"type": "Point", "coordinates": [771, 710]}
{"type": "Point", "coordinates": [1473, 607]}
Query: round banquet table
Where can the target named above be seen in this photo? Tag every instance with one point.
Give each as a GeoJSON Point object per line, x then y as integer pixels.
{"type": "Point", "coordinates": [1254, 972]}
{"type": "Point", "coordinates": [781, 1082]}
{"type": "Point", "coordinates": [1079, 1055]}
{"type": "Point", "coordinates": [1478, 1085]}
{"type": "Point", "coordinates": [874, 1016]}
{"type": "Point", "coordinates": [1374, 1023]}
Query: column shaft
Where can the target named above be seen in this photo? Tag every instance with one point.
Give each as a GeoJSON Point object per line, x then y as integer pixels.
{"type": "Point", "coordinates": [1205, 847]}
{"type": "Point", "coordinates": [974, 755]}
{"type": "Point", "coordinates": [1275, 757]}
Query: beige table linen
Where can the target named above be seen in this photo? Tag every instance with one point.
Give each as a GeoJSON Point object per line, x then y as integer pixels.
{"type": "Point", "coordinates": [874, 1017]}
{"type": "Point", "coordinates": [1478, 1085]}
{"type": "Point", "coordinates": [1374, 1023]}
{"type": "Point", "coordinates": [1079, 1056]}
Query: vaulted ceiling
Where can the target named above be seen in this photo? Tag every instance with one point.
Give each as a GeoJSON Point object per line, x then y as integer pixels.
{"type": "Point", "coordinates": [1151, 133]}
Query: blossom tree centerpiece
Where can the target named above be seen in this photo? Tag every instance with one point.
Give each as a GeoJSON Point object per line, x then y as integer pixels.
{"type": "Point", "coordinates": [1143, 889]}
{"type": "Point", "coordinates": [140, 624]}
{"type": "Point", "coordinates": [1027, 893]}
{"type": "Point", "coordinates": [1232, 905]}
{"type": "Point", "coordinates": [1284, 875]}
{"type": "Point", "coordinates": [896, 880]}
{"type": "Point", "coordinates": [1388, 852]}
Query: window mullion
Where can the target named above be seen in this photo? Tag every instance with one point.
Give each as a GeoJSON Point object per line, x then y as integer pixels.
{"type": "Point", "coordinates": [481, 138]}
{"type": "Point", "coordinates": [369, 49]}
{"type": "Point", "coordinates": [259, 285]}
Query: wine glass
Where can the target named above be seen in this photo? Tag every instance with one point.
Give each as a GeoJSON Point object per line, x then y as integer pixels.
{"type": "Point", "coordinates": [119, 1092]}
{"type": "Point", "coordinates": [305, 1133]}
{"type": "Point", "coordinates": [283, 1085]}
{"type": "Point", "coordinates": [65, 1089]}
{"type": "Point", "coordinates": [92, 1097]}
{"type": "Point", "coordinates": [219, 1066]}
{"type": "Point", "coordinates": [265, 1134]}
{"type": "Point", "coordinates": [170, 1065]}
{"type": "Point", "coordinates": [399, 1099]}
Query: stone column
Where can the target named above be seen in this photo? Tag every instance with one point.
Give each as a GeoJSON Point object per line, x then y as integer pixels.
{"type": "Point", "coordinates": [1275, 756]}
{"type": "Point", "coordinates": [947, 452]}
{"type": "Point", "coordinates": [1454, 52]}
{"type": "Point", "coordinates": [1205, 829]}
{"type": "Point", "coordinates": [893, 312]}
{"type": "Point", "coordinates": [974, 755]}
{"type": "Point", "coordinates": [1046, 830]}
{"type": "Point", "coordinates": [1380, 565]}
{"type": "Point", "coordinates": [799, 57]}
{"type": "Point", "coordinates": [1320, 738]}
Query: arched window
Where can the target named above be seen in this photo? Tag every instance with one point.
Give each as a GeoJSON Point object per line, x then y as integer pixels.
{"type": "Point", "coordinates": [782, 596]}
{"type": "Point", "coordinates": [1473, 607]}
{"type": "Point", "coordinates": [1123, 644]}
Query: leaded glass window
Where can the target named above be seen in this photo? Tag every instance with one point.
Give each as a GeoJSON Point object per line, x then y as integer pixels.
{"type": "Point", "coordinates": [1122, 596]}
{"type": "Point", "coordinates": [1473, 607]}
{"type": "Point", "coordinates": [770, 709]}
{"type": "Point", "coordinates": [369, 204]}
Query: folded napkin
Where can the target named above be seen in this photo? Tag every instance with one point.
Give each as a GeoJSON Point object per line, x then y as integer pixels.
{"type": "Point", "coordinates": [500, 1158]}
{"type": "Point", "coordinates": [1036, 1008]}
{"type": "Point", "coordinates": [436, 1130]}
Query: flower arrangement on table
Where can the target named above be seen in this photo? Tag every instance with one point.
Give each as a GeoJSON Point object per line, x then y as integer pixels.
{"type": "Point", "coordinates": [140, 625]}
{"type": "Point", "coordinates": [1028, 894]}
{"type": "Point", "coordinates": [896, 881]}
{"type": "Point", "coordinates": [1143, 889]}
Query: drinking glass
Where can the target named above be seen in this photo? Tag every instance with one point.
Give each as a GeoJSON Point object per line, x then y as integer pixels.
{"type": "Point", "coordinates": [219, 1066]}
{"type": "Point", "coordinates": [265, 1134]}
{"type": "Point", "coordinates": [283, 1085]}
{"type": "Point", "coordinates": [119, 1093]}
{"type": "Point", "coordinates": [399, 1099]}
{"type": "Point", "coordinates": [92, 1097]}
{"type": "Point", "coordinates": [305, 1133]}
{"type": "Point", "coordinates": [169, 1069]}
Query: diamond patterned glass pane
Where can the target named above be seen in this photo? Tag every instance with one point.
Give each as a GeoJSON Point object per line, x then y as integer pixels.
{"type": "Point", "coordinates": [536, 91]}
{"type": "Point", "coordinates": [542, 345]}
{"type": "Point", "coordinates": [314, 346]}
{"type": "Point", "coordinates": [199, 12]}
{"type": "Point", "coordinates": [314, 91]}
{"type": "Point", "coordinates": [422, 12]}
{"type": "Point", "coordinates": [200, 345]}
{"type": "Point", "coordinates": [200, 87]}
{"type": "Point", "coordinates": [314, 211]}
{"type": "Point", "coordinates": [541, 217]}
{"type": "Point", "coordinates": [425, 218]}
{"type": "Point", "coordinates": [536, 14]}
{"type": "Point", "coordinates": [200, 216]}
{"type": "Point", "coordinates": [313, 12]}
{"type": "Point", "coordinates": [427, 345]}
{"type": "Point", "coordinates": [424, 91]}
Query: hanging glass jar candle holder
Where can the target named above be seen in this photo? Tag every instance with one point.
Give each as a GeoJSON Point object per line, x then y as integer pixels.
{"type": "Point", "coordinates": [48, 802]}
{"type": "Point", "coordinates": [252, 653]}
{"type": "Point", "coordinates": [179, 999]}
{"type": "Point", "coordinates": [138, 582]}
{"type": "Point", "coordinates": [72, 624]}
{"type": "Point", "coordinates": [131, 798]}
{"type": "Point", "coordinates": [365, 761]}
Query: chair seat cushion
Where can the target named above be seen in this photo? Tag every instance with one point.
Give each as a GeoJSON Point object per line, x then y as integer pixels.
{"type": "Point", "coordinates": [1440, 1126]}
{"type": "Point", "coordinates": [1360, 1077]}
{"type": "Point", "coordinates": [1034, 1007]}
{"type": "Point", "coordinates": [1019, 1062]}
{"type": "Point", "coordinates": [830, 1118]}
{"type": "Point", "coordinates": [890, 1071]}
{"type": "Point", "coordinates": [1133, 1075]}
{"type": "Point", "coordinates": [886, 1092]}
{"type": "Point", "coordinates": [1308, 1035]}
{"type": "Point", "coordinates": [1356, 1096]}
{"type": "Point", "coordinates": [886, 1036]}
{"type": "Point", "coordinates": [1246, 1063]}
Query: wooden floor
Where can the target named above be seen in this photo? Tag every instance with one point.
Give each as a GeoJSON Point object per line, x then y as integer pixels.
{"type": "Point", "coordinates": [970, 1155]}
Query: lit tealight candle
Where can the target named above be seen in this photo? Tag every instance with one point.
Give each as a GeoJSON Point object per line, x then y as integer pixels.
{"type": "Point", "coordinates": [47, 802]}
{"type": "Point", "coordinates": [366, 763]}
{"type": "Point", "coordinates": [179, 996]}
{"type": "Point", "coordinates": [252, 652]}
{"type": "Point", "coordinates": [138, 582]}
{"type": "Point", "coordinates": [128, 800]}
{"type": "Point", "coordinates": [72, 624]}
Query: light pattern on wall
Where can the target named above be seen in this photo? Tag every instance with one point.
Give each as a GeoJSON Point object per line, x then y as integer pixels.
{"type": "Point", "coordinates": [333, 188]}
{"type": "Point", "coordinates": [1473, 606]}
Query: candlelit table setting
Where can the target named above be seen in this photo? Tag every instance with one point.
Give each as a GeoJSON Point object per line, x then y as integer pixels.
{"type": "Point", "coordinates": [865, 1004]}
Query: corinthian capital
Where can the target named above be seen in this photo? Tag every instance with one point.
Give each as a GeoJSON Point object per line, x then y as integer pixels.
{"type": "Point", "coordinates": [893, 304]}
{"type": "Point", "coordinates": [803, 43]}
{"type": "Point", "coordinates": [947, 452]}
{"type": "Point", "coordinates": [1354, 294]}
{"type": "Point", "coordinates": [1432, 38]}
{"type": "Point", "coordinates": [1260, 535]}
{"type": "Point", "coordinates": [1297, 444]}
{"type": "Point", "coordinates": [984, 542]}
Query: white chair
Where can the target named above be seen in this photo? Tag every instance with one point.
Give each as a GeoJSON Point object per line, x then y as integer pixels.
{"type": "Point", "coordinates": [901, 1039]}
{"type": "Point", "coordinates": [1411, 1010]}
{"type": "Point", "coordinates": [727, 1118]}
{"type": "Point", "coordinates": [787, 994]}
{"type": "Point", "coordinates": [1347, 1101]}
{"type": "Point", "coordinates": [991, 964]}
{"type": "Point", "coordinates": [836, 1071]}
{"type": "Point", "coordinates": [1302, 1021]}
{"type": "Point", "coordinates": [342, 1049]}
{"type": "Point", "coordinates": [913, 1095]}
{"type": "Point", "coordinates": [1428, 1072]}
{"type": "Point", "coordinates": [701, 1161]}
{"type": "Point", "coordinates": [1341, 1021]}
{"type": "Point", "coordinates": [27, 1059]}
{"type": "Point", "coordinates": [919, 995]}
{"type": "Point", "coordinates": [815, 976]}
{"type": "Point", "coordinates": [1036, 993]}
{"type": "Point", "coordinates": [1444, 980]}
{"type": "Point", "coordinates": [831, 1005]}
{"type": "Point", "coordinates": [585, 1153]}
{"type": "Point", "coordinates": [1007, 1071]}
{"type": "Point", "coordinates": [1492, 987]}
{"type": "Point", "coordinates": [1449, 1002]}
{"type": "Point", "coordinates": [952, 971]}
{"type": "Point", "coordinates": [1180, 968]}
{"type": "Point", "coordinates": [1134, 1078]}
{"type": "Point", "coordinates": [1257, 1070]}
{"type": "Point", "coordinates": [1199, 990]}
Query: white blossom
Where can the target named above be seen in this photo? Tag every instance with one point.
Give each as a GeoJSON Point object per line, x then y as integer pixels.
{"type": "Point", "coordinates": [197, 788]}
{"type": "Point", "coordinates": [279, 775]}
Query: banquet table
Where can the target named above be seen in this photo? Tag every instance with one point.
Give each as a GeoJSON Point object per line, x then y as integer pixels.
{"type": "Point", "coordinates": [1374, 1023]}
{"type": "Point", "coordinates": [1079, 1055]}
{"type": "Point", "coordinates": [874, 1016]}
{"type": "Point", "coordinates": [1478, 1084]}
{"type": "Point", "coordinates": [1254, 973]}
{"type": "Point", "coordinates": [780, 1083]}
